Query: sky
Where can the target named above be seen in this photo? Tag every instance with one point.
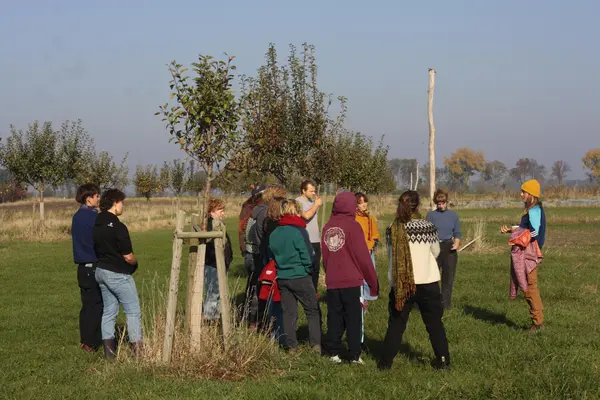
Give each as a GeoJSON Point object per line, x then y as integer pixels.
{"type": "Point", "coordinates": [514, 78]}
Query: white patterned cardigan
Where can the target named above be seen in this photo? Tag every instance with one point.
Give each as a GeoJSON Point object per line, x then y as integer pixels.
{"type": "Point", "coordinates": [424, 248]}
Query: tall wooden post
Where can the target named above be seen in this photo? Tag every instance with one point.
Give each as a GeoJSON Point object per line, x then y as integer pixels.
{"type": "Point", "coordinates": [223, 284]}
{"type": "Point", "coordinates": [193, 255]}
{"type": "Point", "coordinates": [431, 137]}
{"type": "Point", "coordinates": [173, 289]}
{"type": "Point", "coordinates": [197, 297]}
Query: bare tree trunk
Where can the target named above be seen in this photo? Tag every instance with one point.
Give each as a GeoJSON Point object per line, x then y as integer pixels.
{"type": "Point", "coordinates": [431, 136]}
{"type": "Point", "coordinates": [42, 213]}
{"type": "Point", "coordinates": [173, 290]}
{"type": "Point", "coordinates": [209, 178]}
{"type": "Point", "coordinates": [417, 180]}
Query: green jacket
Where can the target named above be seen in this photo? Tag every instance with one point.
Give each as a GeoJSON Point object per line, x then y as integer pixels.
{"type": "Point", "coordinates": [291, 252]}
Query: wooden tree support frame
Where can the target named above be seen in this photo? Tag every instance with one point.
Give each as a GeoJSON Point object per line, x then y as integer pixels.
{"type": "Point", "coordinates": [195, 289]}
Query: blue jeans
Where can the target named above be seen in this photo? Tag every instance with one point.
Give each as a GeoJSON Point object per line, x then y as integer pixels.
{"type": "Point", "coordinates": [212, 299]}
{"type": "Point", "coordinates": [366, 291]}
{"type": "Point", "coordinates": [119, 288]}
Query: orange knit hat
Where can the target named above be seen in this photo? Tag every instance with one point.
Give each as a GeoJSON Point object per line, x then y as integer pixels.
{"type": "Point", "coordinates": [532, 187]}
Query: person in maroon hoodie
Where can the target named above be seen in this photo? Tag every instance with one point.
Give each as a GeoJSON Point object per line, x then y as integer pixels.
{"type": "Point", "coordinates": [347, 265]}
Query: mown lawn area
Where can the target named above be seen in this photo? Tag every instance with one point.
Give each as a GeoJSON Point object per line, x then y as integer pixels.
{"type": "Point", "coordinates": [491, 356]}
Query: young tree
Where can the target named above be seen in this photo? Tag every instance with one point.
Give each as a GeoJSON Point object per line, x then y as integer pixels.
{"type": "Point", "coordinates": [177, 177]}
{"type": "Point", "coordinates": [147, 181]}
{"type": "Point", "coordinates": [285, 119]}
{"type": "Point", "coordinates": [204, 121]}
{"type": "Point", "coordinates": [44, 158]}
{"type": "Point", "coordinates": [196, 180]}
{"type": "Point", "coordinates": [495, 172]}
{"type": "Point", "coordinates": [106, 173]}
{"type": "Point", "coordinates": [462, 165]}
{"type": "Point", "coordinates": [560, 169]}
{"type": "Point", "coordinates": [591, 161]}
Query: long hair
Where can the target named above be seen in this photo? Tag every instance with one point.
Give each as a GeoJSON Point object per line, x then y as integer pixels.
{"type": "Point", "coordinates": [272, 192]}
{"type": "Point", "coordinates": [532, 203]}
{"type": "Point", "coordinates": [274, 208]}
{"type": "Point", "coordinates": [408, 204]}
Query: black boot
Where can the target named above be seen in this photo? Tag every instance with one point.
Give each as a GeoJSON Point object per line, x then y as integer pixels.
{"type": "Point", "coordinates": [110, 349]}
{"type": "Point", "coordinates": [442, 363]}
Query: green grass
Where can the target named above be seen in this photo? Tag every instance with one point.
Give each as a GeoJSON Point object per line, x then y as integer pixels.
{"type": "Point", "coordinates": [491, 357]}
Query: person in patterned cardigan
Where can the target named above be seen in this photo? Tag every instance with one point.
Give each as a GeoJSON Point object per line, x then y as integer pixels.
{"type": "Point", "coordinates": [413, 247]}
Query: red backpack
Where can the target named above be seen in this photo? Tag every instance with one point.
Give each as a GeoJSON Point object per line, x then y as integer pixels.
{"type": "Point", "coordinates": [268, 283]}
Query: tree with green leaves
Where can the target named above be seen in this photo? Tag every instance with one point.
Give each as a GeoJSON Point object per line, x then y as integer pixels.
{"type": "Point", "coordinates": [147, 181]}
{"type": "Point", "coordinates": [442, 175]}
{"type": "Point", "coordinates": [204, 120]}
{"type": "Point", "coordinates": [105, 172]}
{"type": "Point", "coordinates": [44, 158]}
{"type": "Point", "coordinates": [285, 119]}
{"type": "Point", "coordinates": [174, 176]}
{"type": "Point", "coordinates": [404, 170]}
{"type": "Point", "coordinates": [494, 172]}
{"type": "Point", "coordinates": [196, 181]}
{"type": "Point", "coordinates": [462, 165]}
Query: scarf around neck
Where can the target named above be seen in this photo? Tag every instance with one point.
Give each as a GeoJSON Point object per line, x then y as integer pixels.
{"type": "Point", "coordinates": [402, 268]}
{"type": "Point", "coordinates": [293, 220]}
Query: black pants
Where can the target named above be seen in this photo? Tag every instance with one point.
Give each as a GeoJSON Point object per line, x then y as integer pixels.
{"type": "Point", "coordinates": [344, 313]}
{"type": "Point", "coordinates": [252, 289]}
{"type": "Point", "coordinates": [294, 291]}
{"type": "Point", "coordinates": [90, 316]}
{"type": "Point", "coordinates": [429, 300]}
{"type": "Point", "coordinates": [447, 263]}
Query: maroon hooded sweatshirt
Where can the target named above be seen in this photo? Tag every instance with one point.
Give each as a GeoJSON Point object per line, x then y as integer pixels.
{"type": "Point", "coordinates": [346, 258]}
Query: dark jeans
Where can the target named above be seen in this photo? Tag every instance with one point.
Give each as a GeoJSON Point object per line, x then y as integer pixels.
{"type": "Point", "coordinates": [429, 300]}
{"type": "Point", "coordinates": [302, 290]}
{"type": "Point", "coordinates": [344, 313]}
{"type": "Point", "coordinates": [254, 265]}
{"type": "Point", "coordinates": [447, 263]}
{"type": "Point", "coordinates": [90, 315]}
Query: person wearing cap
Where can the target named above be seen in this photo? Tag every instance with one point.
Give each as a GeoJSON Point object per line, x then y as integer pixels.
{"type": "Point", "coordinates": [533, 219]}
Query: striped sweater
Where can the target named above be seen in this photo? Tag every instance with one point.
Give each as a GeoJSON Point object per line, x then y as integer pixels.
{"type": "Point", "coordinates": [424, 249]}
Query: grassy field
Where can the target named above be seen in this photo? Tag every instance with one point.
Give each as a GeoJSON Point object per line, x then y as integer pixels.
{"type": "Point", "coordinates": [492, 357]}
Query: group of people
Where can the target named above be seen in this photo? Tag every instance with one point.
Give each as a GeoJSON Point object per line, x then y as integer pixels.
{"type": "Point", "coordinates": [283, 248]}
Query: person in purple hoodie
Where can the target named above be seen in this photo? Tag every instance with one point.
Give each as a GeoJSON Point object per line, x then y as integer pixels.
{"type": "Point", "coordinates": [347, 263]}
{"type": "Point", "coordinates": [90, 315]}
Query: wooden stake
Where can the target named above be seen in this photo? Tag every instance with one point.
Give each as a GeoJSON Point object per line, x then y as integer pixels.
{"type": "Point", "coordinates": [197, 297]}
{"type": "Point", "coordinates": [223, 284]}
{"type": "Point", "coordinates": [173, 290]}
{"type": "Point", "coordinates": [431, 137]}
{"type": "Point", "coordinates": [193, 255]}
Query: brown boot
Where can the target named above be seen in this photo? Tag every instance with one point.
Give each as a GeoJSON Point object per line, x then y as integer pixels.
{"type": "Point", "coordinates": [534, 328]}
{"type": "Point", "coordinates": [110, 349]}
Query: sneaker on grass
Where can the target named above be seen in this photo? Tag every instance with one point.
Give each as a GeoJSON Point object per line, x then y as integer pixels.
{"type": "Point", "coordinates": [336, 359]}
{"type": "Point", "coordinates": [358, 362]}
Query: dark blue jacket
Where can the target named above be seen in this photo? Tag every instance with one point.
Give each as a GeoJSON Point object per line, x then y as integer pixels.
{"type": "Point", "coordinates": [535, 221]}
{"type": "Point", "coordinates": [81, 232]}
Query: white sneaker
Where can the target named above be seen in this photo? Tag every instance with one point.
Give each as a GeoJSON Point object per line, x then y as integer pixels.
{"type": "Point", "coordinates": [358, 362]}
{"type": "Point", "coordinates": [336, 359]}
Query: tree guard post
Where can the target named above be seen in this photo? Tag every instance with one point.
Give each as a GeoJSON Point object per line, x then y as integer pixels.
{"type": "Point", "coordinates": [222, 277]}
{"type": "Point", "coordinates": [173, 289]}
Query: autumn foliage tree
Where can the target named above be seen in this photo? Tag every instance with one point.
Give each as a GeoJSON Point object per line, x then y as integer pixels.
{"type": "Point", "coordinates": [591, 161]}
{"type": "Point", "coordinates": [462, 165]}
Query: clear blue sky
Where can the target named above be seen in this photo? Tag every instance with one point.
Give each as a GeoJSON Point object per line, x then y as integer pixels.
{"type": "Point", "coordinates": [515, 78]}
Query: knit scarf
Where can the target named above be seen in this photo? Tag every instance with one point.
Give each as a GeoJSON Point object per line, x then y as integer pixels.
{"type": "Point", "coordinates": [402, 267]}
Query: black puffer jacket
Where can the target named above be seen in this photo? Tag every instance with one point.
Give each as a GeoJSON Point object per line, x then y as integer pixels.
{"type": "Point", "coordinates": [211, 259]}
